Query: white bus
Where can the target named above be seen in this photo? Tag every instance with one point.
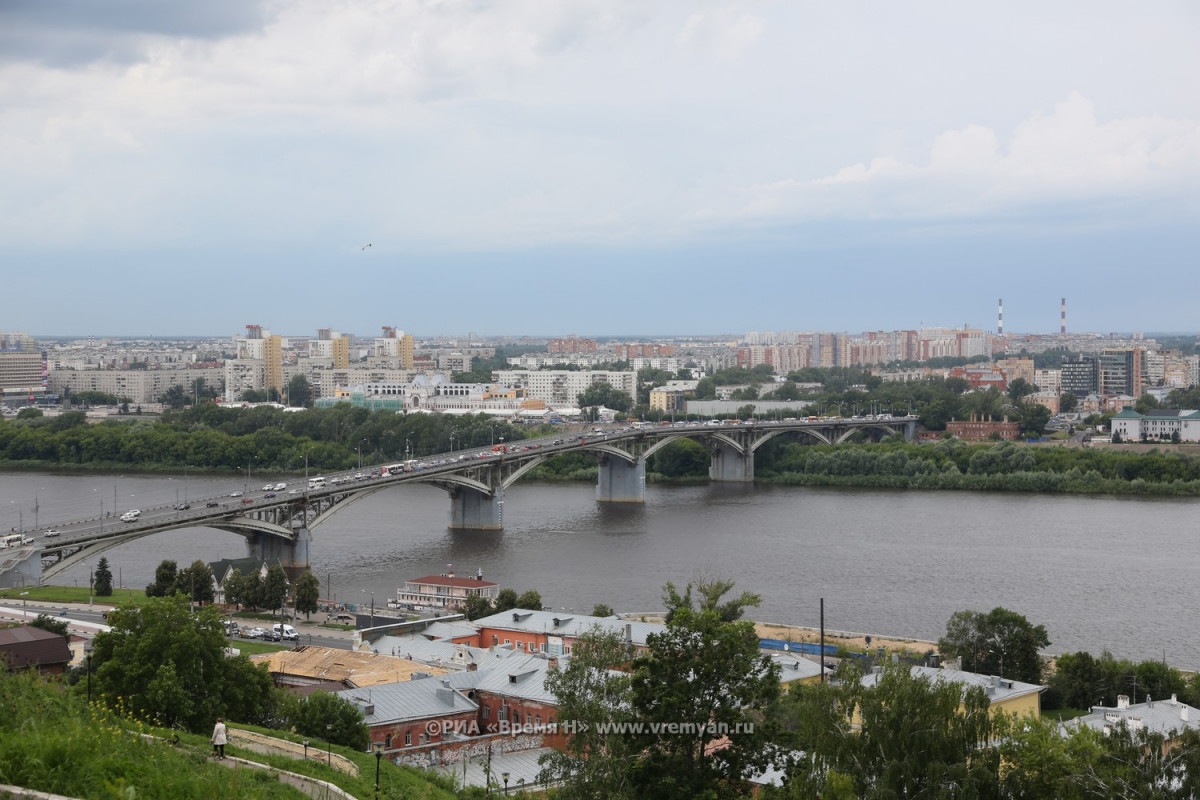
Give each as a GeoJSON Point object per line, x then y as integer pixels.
{"type": "Point", "coordinates": [316, 483]}
{"type": "Point", "coordinates": [15, 540]}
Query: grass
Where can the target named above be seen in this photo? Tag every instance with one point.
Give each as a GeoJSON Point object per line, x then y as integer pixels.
{"type": "Point", "coordinates": [51, 740]}
{"type": "Point", "coordinates": [73, 594]}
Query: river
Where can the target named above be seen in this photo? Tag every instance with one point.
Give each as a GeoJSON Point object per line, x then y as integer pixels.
{"type": "Point", "coordinates": [1098, 572]}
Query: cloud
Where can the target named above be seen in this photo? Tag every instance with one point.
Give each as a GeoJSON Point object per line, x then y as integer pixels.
{"type": "Point", "coordinates": [74, 32]}
{"type": "Point", "coordinates": [724, 32]}
{"type": "Point", "coordinates": [1068, 156]}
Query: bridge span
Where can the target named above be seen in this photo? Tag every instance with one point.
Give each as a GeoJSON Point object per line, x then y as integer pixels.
{"type": "Point", "coordinates": [277, 523]}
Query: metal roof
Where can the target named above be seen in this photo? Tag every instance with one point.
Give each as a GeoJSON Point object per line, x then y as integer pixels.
{"type": "Point", "coordinates": [410, 700]}
{"type": "Point", "coordinates": [562, 623]}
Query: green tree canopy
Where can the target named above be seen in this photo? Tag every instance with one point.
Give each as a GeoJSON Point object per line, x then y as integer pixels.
{"type": "Point", "coordinates": [1000, 642]}
{"type": "Point", "coordinates": [308, 593]}
{"type": "Point", "coordinates": [708, 672]}
{"type": "Point", "coordinates": [162, 661]}
{"type": "Point", "coordinates": [102, 578]}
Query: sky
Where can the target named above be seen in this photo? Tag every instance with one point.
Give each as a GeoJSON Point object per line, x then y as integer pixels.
{"type": "Point", "coordinates": [597, 167]}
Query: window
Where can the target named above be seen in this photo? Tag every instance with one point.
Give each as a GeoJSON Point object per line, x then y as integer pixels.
{"type": "Point", "coordinates": [538, 720]}
{"type": "Point", "coordinates": [520, 645]}
{"type": "Point", "coordinates": [387, 742]}
{"type": "Point", "coordinates": [407, 738]}
{"type": "Point", "coordinates": [508, 641]}
{"type": "Point", "coordinates": [487, 711]}
{"type": "Point", "coordinates": [502, 714]}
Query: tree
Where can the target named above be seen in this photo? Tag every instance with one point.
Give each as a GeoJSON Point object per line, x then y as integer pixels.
{"type": "Point", "coordinates": [163, 662]}
{"type": "Point", "coordinates": [1034, 417]}
{"type": "Point", "coordinates": [1001, 642]}
{"type": "Point", "coordinates": [29, 412]}
{"type": "Point", "coordinates": [602, 610]}
{"type": "Point", "coordinates": [235, 588]}
{"type": "Point", "coordinates": [196, 582]}
{"type": "Point", "coordinates": [164, 579]}
{"type": "Point", "coordinates": [325, 716]}
{"type": "Point", "coordinates": [102, 579]}
{"type": "Point", "coordinates": [308, 593]}
{"type": "Point", "coordinates": [275, 587]}
{"type": "Point", "coordinates": [530, 599]}
{"type": "Point", "coordinates": [175, 397]}
{"type": "Point", "coordinates": [896, 734]}
{"type": "Point", "coordinates": [1019, 388]}
{"type": "Point", "coordinates": [711, 591]}
{"type": "Point", "coordinates": [299, 392]}
{"type": "Point", "coordinates": [506, 600]}
{"type": "Point", "coordinates": [700, 682]}
{"type": "Point", "coordinates": [1067, 402]}
{"type": "Point", "coordinates": [594, 765]}
{"type": "Point", "coordinates": [52, 625]}
{"type": "Point", "coordinates": [476, 606]}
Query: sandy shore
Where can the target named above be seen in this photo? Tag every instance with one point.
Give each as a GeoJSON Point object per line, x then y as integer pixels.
{"type": "Point", "coordinates": [795, 633]}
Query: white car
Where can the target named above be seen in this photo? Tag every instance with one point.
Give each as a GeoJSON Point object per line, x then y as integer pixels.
{"type": "Point", "coordinates": [279, 487]}
{"type": "Point", "coordinates": [235, 494]}
{"type": "Point", "coordinates": [268, 487]}
{"type": "Point", "coordinates": [50, 534]}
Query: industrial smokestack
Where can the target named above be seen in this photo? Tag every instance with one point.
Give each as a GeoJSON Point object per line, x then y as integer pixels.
{"type": "Point", "coordinates": [1000, 319]}
{"type": "Point", "coordinates": [1062, 325]}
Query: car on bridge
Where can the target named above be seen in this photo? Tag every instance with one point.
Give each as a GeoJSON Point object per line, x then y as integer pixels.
{"type": "Point", "coordinates": [235, 494]}
{"type": "Point", "coordinates": [269, 494]}
{"type": "Point", "coordinates": [182, 507]}
{"type": "Point", "coordinates": [50, 534]}
{"type": "Point", "coordinates": [211, 504]}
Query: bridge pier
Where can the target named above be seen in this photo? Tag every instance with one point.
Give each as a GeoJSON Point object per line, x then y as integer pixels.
{"type": "Point", "coordinates": [910, 431]}
{"type": "Point", "coordinates": [266, 547]}
{"type": "Point", "coordinates": [472, 510]}
{"type": "Point", "coordinates": [621, 482]}
{"type": "Point", "coordinates": [730, 464]}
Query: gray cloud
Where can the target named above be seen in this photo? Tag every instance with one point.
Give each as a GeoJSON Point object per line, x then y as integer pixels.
{"type": "Point", "coordinates": [73, 32]}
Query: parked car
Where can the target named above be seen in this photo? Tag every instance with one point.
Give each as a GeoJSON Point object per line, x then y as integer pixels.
{"type": "Point", "coordinates": [270, 636]}
{"type": "Point", "coordinates": [252, 633]}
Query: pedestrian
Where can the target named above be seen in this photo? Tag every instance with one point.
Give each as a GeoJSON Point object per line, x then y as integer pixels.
{"type": "Point", "coordinates": [219, 739]}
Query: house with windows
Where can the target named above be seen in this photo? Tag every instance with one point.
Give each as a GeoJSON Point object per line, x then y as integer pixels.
{"type": "Point", "coordinates": [1157, 425]}
{"type": "Point", "coordinates": [26, 647]}
{"type": "Point", "coordinates": [416, 712]}
{"type": "Point", "coordinates": [1168, 718]}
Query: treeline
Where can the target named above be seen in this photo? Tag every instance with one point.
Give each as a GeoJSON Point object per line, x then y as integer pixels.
{"type": "Point", "coordinates": [215, 438]}
{"type": "Point", "coordinates": [953, 464]}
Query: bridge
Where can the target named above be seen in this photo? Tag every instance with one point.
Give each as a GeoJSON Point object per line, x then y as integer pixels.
{"type": "Point", "coordinates": [277, 524]}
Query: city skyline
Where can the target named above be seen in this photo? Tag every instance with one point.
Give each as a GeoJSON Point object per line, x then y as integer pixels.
{"type": "Point", "coordinates": [594, 168]}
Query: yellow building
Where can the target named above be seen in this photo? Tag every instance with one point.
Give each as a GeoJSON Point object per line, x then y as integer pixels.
{"type": "Point", "coordinates": [273, 363]}
{"type": "Point", "coordinates": [341, 352]}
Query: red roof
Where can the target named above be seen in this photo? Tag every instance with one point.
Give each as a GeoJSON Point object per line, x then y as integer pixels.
{"type": "Point", "coordinates": [445, 580]}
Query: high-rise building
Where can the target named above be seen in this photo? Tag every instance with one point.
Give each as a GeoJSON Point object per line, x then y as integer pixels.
{"type": "Point", "coordinates": [396, 344]}
{"type": "Point", "coordinates": [1121, 371]}
{"type": "Point", "coordinates": [1080, 376]}
{"type": "Point", "coordinates": [273, 363]}
{"type": "Point", "coordinates": [22, 370]}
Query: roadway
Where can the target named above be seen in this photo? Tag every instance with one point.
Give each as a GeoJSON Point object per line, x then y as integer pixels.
{"type": "Point", "coordinates": [88, 619]}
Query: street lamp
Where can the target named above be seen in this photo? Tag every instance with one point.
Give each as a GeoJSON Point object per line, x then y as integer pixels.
{"type": "Point", "coordinates": [87, 653]}
{"type": "Point", "coordinates": [407, 449]}
{"type": "Point", "coordinates": [306, 749]}
{"type": "Point", "coordinates": [329, 744]}
{"type": "Point", "coordinates": [364, 591]}
{"type": "Point", "coordinates": [378, 758]}
{"type": "Point", "coordinates": [504, 777]}
{"type": "Point", "coordinates": [452, 436]}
